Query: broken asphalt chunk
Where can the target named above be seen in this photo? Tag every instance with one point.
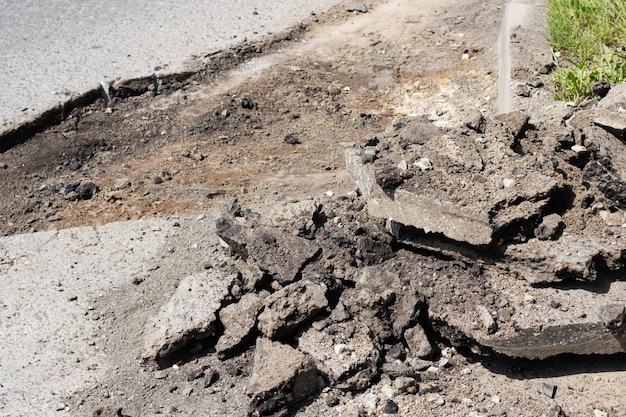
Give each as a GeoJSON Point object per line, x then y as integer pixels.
{"type": "Point", "coordinates": [571, 257]}
{"type": "Point", "coordinates": [341, 350]}
{"type": "Point", "coordinates": [189, 315]}
{"type": "Point", "coordinates": [281, 377]}
{"type": "Point", "coordinates": [239, 320]}
{"type": "Point", "coordinates": [287, 309]}
{"type": "Point", "coordinates": [612, 122]}
{"type": "Point", "coordinates": [280, 254]}
{"type": "Point", "coordinates": [475, 209]}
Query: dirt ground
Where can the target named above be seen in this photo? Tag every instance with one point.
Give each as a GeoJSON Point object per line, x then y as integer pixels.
{"type": "Point", "coordinates": [268, 122]}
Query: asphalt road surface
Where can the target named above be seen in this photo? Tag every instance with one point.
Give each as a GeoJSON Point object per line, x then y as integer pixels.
{"type": "Point", "coordinates": [51, 49]}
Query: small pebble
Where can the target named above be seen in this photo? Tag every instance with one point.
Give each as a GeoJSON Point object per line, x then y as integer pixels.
{"type": "Point", "coordinates": [332, 400]}
{"type": "Point", "coordinates": [508, 182]}
{"type": "Point", "coordinates": [391, 407]}
{"type": "Point", "coordinates": [341, 348]}
{"type": "Point", "coordinates": [432, 370]}
{"type": "Point", "coordinates": [405, 384]}
{"type": "Point", "coordinates": [196, 374]}
{"type": "Point", "coordinates": [522, 90]}
{"type": "Point", "coordinates": [160, 374]}
{"type": "Point", "coordinates": [388, 391]}
{"type": "Point", "coordinates": [370, 400]}
{"type": "Point", "coordinates": [548, 390]}
{"type": "Point", "coordinates": [424, 164]}
{"type": "Point", "coordinates": [529, 299]}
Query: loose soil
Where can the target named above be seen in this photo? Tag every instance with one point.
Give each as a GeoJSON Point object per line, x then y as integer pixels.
{"type": "Point", "coordinates": [269, 122]}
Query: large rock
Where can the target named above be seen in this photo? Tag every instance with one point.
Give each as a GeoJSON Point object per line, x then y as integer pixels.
{"type": "Point", "coordinates": [341, 350]}
{"type": "Point", "coordinates": [281, 376]}
{"type": "Point", "coordinates": [277, 253]}
{"type": "Point", "coordinates": [572, 257]}
{"type": "Point", "coordinates": [612, 122]}
{"type": "Point", "coordinates": [239, 320]}
{"type": "Point", "coordinates": [507, 315]}
{"type": "Point", "coordinates": [462, 204]}
{"type": "Point", "coordinates": [189, 315]}
{"type": "Point", "coordinates": [418, 343]}
{"type": "Point", "coordinates": [285, 310]}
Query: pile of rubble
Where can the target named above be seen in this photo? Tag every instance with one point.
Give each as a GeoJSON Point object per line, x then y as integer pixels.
{"type": "Point", "coordinates": [501, 236]}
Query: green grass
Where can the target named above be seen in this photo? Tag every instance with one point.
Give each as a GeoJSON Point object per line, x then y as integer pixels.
{"type": "Point", "coordinates": [589, 40]}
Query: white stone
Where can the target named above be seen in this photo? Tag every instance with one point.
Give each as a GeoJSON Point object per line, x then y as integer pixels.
{"type": "Point", "coordinates": [508, 182]}
{"type": "Point", "coordinates": [370, 400]}
{"type": "Point", "coordinates": [424, 164]}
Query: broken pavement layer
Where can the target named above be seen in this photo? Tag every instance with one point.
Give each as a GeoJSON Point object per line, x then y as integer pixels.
{"type": "Point", "coordinates": [281, 376]}
{"type": "Point", "coordinates": [261, 246]}
{"type": "Point", "coordinates": [572, 257]}
{"type": "Point", "coordinates": [471, 191]}
{"type": "Point", "coordinates": [287, 309]}
{"type": "Point", "coordinates": [495, 312]}
{"type": "Point", "coordinates": [189, 315]}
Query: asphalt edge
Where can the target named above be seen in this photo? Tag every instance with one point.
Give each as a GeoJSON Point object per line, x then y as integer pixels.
{"type": "Point", "coordinates": [20, 132]}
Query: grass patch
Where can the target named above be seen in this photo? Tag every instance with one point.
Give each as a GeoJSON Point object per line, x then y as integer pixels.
{"type": "Point", "coordinates": [589, 40]}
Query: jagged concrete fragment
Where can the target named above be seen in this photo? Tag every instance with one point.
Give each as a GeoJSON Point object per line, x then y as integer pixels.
{"type": "Point", "coordinates": [415, 210]}
{"type": "Point", "coordinates": [298, 211]}
{"type": "Point", "coordinates": [281, 377]}
{"type": "Point", "coordinates": [239, 320]}
{"type": "Point", "coordinates": [341, 349]}
{"type": "Point", "coordinates": [189, 315]}
{"type": "Point", "coordinates": [570, 257]}
{"type": "Point", "coordinates": [475, 121]}
{"type": "Point", "coordinates": [288, 308]}
{"type": "Point", "coordinates": [549, 228]}
{"type": "Point", "coordinates": [612, 122]}
{"type": "Point", "coordinates": [384, 299]}
{"type": "Point", "coordinates": [494, 311]}
{"type": "Point", "coordinates": [515, 122]}
{"type": "Point", "coordinates": [488, 322]}
{"type": "Point", "coordinates": [280, 254]}
{"type": "Point", "coordinates": [615, 99]}
{"type": "Point", "coordinates": [418, 343]}
{"type": "Point", "coordinates": [371, 308]}
{"type": "Point", "coordinates": [465, 206]}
